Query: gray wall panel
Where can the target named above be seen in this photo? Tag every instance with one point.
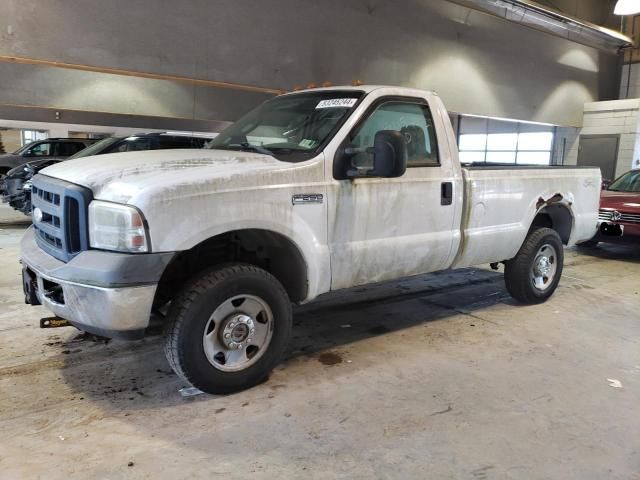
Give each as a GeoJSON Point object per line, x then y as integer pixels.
{"type": "Point", "coordinates": [478, 63]}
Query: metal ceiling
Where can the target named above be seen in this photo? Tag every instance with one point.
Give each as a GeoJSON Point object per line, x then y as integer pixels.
{"type": "Point", "coordinates": [543, 18]}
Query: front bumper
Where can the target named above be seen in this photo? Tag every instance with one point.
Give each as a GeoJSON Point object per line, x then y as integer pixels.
{"type": "Point", "coordinates": [104, 293]}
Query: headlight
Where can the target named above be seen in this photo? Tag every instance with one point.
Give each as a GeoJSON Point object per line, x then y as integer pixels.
{"type": "Point", "coordinates": [113, 226]}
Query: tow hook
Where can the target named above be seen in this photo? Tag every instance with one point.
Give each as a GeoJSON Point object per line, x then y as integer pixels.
{"type": "Point", "coordinates": [53, 322]}
{"type": "Point", "coordinates": [494, 265]}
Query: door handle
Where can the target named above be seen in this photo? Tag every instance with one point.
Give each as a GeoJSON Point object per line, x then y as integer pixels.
{"type": "Point", "coordinates": [446, 193]}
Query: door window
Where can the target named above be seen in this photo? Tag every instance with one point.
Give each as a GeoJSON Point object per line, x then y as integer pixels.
{"type": "Point", "coordinates": [66, 149]}
{"type": "Point", "coordinates": [412, 120]}
{"type": "Point", "coordinates": [40, 150]}
{"type": "Point", "coordinates": [133, 144]}
{"type": "Point", "coordinates": [166, 142]}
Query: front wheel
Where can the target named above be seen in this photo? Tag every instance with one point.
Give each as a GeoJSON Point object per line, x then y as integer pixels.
{"type": "Point", "coordinates": [533, 274]}
{"type": "Point", "coordinates": [228, 329]}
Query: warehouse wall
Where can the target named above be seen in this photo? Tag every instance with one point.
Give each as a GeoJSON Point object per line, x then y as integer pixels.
{"type": "Point", "coordinates": [478, 63]}
{"type": "Point", "coordinates": [620, 117]}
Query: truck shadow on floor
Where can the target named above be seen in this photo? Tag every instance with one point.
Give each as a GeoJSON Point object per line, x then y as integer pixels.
{"type": "Point", "coordinates": [610, 251]}
{"type": "Point", "coordinates": [135, 375]}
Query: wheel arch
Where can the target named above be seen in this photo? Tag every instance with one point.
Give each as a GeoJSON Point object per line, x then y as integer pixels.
{"type": "Point", "coordinates": [555, 215]}
{"type": "Point", "coordinates": [266, 249]}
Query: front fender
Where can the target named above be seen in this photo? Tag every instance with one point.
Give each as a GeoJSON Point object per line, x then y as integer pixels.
{"type": "Point", "coordinates": [177, 229]}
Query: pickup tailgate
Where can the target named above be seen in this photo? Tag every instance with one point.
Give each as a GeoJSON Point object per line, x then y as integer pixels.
{"type": "Point", "coordinates": [500, 204]}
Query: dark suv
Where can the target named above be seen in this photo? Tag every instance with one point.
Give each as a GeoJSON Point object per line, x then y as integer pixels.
{"type": "Point", "coordinates": [51, 148]}
{"type": "Point", "coordinates": [145, 141]}
{"type": "Point", "coordinates": [15, 187]}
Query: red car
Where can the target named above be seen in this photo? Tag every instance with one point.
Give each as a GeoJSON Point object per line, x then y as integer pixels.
{"type": "Point", "coordinates": [619, 219]}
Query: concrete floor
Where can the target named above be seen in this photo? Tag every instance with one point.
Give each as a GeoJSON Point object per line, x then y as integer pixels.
{"type": "Point", "coordinates": [440, 376]}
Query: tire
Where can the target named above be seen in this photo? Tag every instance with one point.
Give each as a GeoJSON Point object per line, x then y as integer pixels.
{"type": "Point", "coordinates": [228, 328]}
{"type": "Point", "coordinates": [528, 277]}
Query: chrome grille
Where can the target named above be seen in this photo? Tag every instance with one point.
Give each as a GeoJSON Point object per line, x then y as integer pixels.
{"type": "Point", "coordinates": [608, 216]}
{"type": "Point", "coordinates": [61, 231]}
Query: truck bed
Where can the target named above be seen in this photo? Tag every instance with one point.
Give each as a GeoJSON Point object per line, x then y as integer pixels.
{"type": "Point", "coordinates": [500, 203]}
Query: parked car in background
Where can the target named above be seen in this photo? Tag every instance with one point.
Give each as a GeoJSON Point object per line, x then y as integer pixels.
{"type": "Point", "coordinates": [51, 148]}
{"type": "Point", "coordinates": [15, 187]}
{"type": "Point", "coordinates": [619, 217]}
{"type": "Point", "coordinates": [144, 141]}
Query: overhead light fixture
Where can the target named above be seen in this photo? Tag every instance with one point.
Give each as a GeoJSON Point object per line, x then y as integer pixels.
{"type": "Point", "coordinates": [627, 7]}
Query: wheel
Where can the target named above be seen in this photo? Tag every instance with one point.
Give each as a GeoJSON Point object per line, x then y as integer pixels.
{"type": "Point", "coordinates": [588, 244]}
{"type": "Point", "coordinates": [228, 328]}
{"type": "Point", "coordinates": [533, 274]}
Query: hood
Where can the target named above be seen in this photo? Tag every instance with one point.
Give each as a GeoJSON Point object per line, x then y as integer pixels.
{"type": "Point", "coordinates": [621, 201]}
{"type": "Point", "coordinates": [31, 168]}
{"type": "Point", "coordinates": [123, 177]}
{"type": "Point", "coordinates": [9, 159]}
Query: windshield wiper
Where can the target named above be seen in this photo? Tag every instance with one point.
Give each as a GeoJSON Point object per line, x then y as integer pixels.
{"type": "Point", "coordinates": [248, 146]}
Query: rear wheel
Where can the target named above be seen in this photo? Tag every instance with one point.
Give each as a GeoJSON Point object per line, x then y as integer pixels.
{"type": "Point", "coordinates": [534, 273]}
{"type": "Point", "coordinates": [228, 329]}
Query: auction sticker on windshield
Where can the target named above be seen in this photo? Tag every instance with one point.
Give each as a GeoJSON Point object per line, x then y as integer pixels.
{"type": "Point", "coordinates": [337, 103]}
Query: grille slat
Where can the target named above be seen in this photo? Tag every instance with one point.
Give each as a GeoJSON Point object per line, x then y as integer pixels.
{"type": "Point", "coordinates": [62, 230]}
{"type": "Point", "coordinates": [607, 216]}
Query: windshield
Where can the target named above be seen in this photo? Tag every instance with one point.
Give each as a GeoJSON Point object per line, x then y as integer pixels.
{"type": "Point", "coordinates": [96, 148]}
{"type": "Point", "coordinates": [629, 182]}
{"type": "Point", "coordinates": [293, 127]}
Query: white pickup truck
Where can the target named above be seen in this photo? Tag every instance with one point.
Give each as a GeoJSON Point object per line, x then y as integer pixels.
{"type": "Point", "coordinates": [312, 191]}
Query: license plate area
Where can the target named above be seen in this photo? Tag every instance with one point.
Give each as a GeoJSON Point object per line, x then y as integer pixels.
{"type": "Point", "coordinates": [611, 229]}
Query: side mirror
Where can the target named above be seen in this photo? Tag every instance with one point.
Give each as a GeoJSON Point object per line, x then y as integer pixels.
{"type": "Point", "coordinates": [390, 154]}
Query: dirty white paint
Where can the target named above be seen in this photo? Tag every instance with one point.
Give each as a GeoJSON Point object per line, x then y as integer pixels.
{"type": "Point", "coordinates": [501, 205]}
{"type": "Point", "coordinates": [366, 230]}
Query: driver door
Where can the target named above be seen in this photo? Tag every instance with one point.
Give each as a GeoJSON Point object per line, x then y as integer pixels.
{"type": "Point", "coordinates": [385, 228]}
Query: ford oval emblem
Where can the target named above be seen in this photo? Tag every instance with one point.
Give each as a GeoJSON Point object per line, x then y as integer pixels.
{"type": "Point", "coordinates": [37, 215]}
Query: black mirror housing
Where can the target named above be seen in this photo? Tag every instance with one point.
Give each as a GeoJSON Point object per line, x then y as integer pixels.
{"type": "Point", "coordinates": [390, 154]}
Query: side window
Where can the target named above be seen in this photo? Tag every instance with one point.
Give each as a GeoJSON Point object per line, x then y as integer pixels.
{"type": "Point", "coordinates": [134, 145]}
{"type": "Point", "coordinates": [412, 120]}
{"type": "Point", "coordinates": [40, 150]}
{"type": "Point", "coordinates": [66, 149]}
{"type": "Point", "coordinates": [173, 142]}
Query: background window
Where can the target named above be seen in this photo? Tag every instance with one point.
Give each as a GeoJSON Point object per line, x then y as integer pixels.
{"type": "Point", "coordinates": [502, 141]}
{"type": "Point", "coordinates": [40, 150]}
{"type": "Point", "coordinates": [485, 140]}
{"type": "Point", "coordinates": [473, 142]}
{"type": "Point", "coordinates": [29, 136]}
{"type": "Point", "coordinates": [537, 141]}
{"type": "Point", "coordinates": [412, 120]}
{"type": "Point", "coordinates": [500, 157]}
